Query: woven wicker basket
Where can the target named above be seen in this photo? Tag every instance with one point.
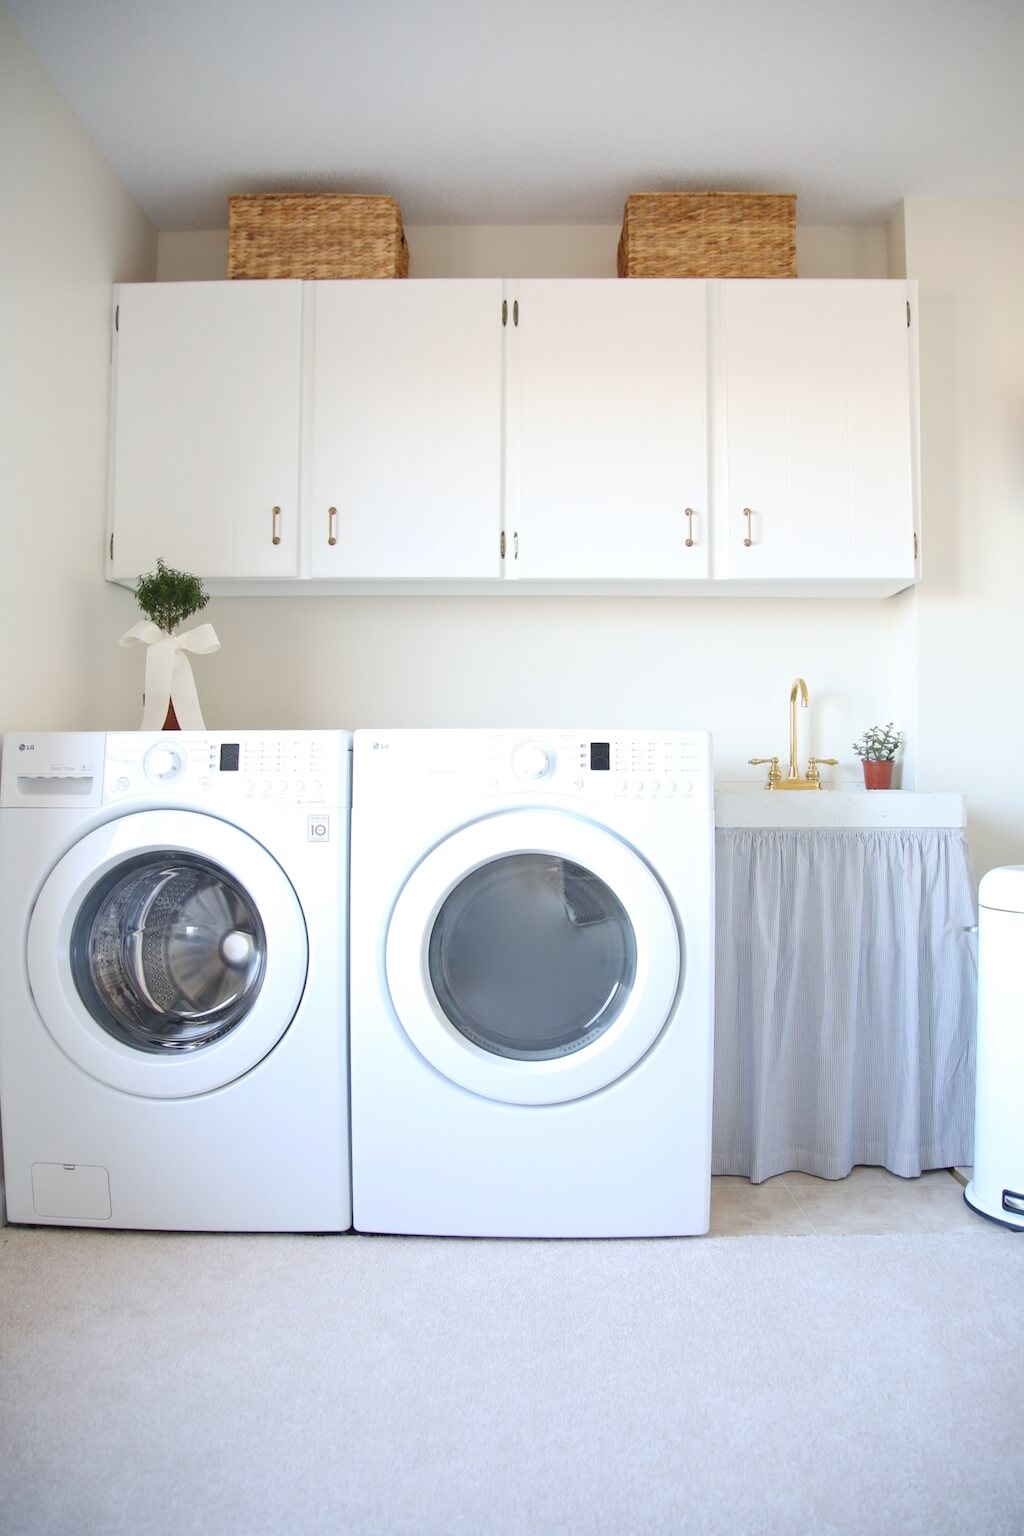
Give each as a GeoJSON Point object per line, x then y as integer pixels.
{"type": "Point", "coordinates": [708, 234]}
{"type": "Point", "coordinates": [290, 234]}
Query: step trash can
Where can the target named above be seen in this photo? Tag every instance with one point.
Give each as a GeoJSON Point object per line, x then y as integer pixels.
{"type": "Point", "coordinates": [997, 1188]}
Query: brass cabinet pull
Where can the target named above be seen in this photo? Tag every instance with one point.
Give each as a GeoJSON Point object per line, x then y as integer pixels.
{"type": "Point", "coordinates": [332, 516]}
{"type": "Point", "coordinates": [749, 515]}
{"type": "Point", "coordinates": [689, 527]}
{"type": "Point", "coordinates": [275, 526]}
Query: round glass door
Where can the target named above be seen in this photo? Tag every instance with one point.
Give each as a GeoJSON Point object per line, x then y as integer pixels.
{"type": "Point", "coordinates": [533, 957]}
{"type": "Point", "coordinates": [168, 952]}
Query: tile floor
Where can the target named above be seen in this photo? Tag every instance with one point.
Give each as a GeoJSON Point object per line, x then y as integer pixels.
{"type": "Point", "coordinates": [869, 1200]}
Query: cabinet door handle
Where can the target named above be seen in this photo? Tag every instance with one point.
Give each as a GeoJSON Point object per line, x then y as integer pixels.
{"type": "Point", "coordinates": [749, 515]}
{"type": "Point", "coordinates": [275, 526]}
{"type": "Point", "coordinates": [332, 520]}
{"type": "Point", "coordinates": [689, 527]}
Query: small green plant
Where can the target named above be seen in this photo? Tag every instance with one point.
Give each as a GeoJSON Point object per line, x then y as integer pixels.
{"type": "Point", "coordinates": [169, 597]}
{"type": "Point", "coordinates": [879, 744]}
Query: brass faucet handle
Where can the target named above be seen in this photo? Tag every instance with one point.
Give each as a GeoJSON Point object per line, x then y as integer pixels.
{"type": "Point", "coordinates": [813, 763]}
{"type": "Point", "coordinates": [774, 771]}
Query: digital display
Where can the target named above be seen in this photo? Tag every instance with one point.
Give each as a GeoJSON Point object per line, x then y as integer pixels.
{"type": "Point", "coordinates": [600, 755]}
{"type": "Point", "coordinates": [229, 756]}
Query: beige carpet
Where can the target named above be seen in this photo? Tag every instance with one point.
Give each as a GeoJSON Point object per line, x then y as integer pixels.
{"type": "Point", "coordinates": [820, 1385]}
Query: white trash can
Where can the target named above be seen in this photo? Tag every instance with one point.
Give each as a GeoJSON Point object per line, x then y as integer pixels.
{"type": "Point", "coordinates": [997, 1188]}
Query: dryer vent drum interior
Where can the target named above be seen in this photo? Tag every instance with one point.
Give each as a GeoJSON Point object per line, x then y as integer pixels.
{"type": "Point", "coordinates": [168, 952]}
{"type": "Point", "coordinates": [532, 957]}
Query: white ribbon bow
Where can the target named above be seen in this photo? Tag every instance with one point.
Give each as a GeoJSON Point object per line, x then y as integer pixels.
{"type": "Point", "coordinates": [169, 677]}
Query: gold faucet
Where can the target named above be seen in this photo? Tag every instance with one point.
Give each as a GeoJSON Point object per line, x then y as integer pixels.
{"type": "Point", "coordinates": [794, 779]}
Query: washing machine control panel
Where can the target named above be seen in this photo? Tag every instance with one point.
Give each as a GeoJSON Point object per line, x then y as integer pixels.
{"type": "Point", "coordinates": [269, 767]}
{"type": "Point", "coordinates": [612, 766]}
{"type": "Point", "coordinates": [597, 766]}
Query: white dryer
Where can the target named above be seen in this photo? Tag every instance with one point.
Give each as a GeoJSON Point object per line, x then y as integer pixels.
{"type": "Point", "coordinates": [172, 941]}
{"type": "Point", "coordinates": [531, 982]}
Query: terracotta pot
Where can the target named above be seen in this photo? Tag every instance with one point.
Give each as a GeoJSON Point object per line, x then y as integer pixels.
{"type": "Point", "coordinates": [878, 775]}
{"type": "Point", "coordinates": [170, 719]}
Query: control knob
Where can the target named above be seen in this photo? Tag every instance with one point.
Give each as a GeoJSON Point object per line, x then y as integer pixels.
{"type": "Point", "coordinates": [163, 763]}
{"type": "Point", "coordinates": [532, 760]}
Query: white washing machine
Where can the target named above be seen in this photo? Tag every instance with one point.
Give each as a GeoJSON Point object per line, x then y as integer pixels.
{"type": "Point", "coordinates": [172, 941]}
{"type": "Point", "coordinates": [531, 982]}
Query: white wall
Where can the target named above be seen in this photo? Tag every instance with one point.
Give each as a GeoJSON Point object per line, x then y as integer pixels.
{"type": "Point", "coordinates": [70, 231]}
{"type": "Point", "coordinates": [969, 611]}
{"type": "Point", "coordinates": [722, 664]}
{"type": "Point", "coordinates": [536, 250]}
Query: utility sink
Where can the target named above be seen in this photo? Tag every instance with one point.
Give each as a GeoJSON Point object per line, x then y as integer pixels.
{"type": "Point", "coordinates": [739, 806]}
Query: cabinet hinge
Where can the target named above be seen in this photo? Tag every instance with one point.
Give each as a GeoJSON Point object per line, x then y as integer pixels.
{"type": "Point", "coordinates": [504, 311]}
{"type": "Point", "coordinates": [908, 314]}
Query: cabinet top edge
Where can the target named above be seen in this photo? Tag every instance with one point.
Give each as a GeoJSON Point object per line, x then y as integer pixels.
{"type": "Point", "coordinates": [482, 282]}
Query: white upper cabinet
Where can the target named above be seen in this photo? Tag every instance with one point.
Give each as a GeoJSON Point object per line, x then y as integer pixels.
{"type": "Point", "coordinates": [818, 432]}
{"type": "Point", "coordinates": [572, 435]}
{"type": "Point", "coordinates": [406, 400]}
{"type": "Point", "coordinates": [607, 430]}
{"type": "Point", "coordinates": [205, 438]}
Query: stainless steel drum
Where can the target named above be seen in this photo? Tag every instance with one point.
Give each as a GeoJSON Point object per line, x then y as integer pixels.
{"type": "Point", "coordinates": [168, 952]}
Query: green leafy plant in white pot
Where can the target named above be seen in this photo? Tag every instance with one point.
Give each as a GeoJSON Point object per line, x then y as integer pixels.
{"type": "Point", "coordinates": [877, 750]}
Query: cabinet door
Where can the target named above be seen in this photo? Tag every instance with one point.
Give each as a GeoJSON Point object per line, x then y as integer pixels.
{"type": "Point", "coordinates": [819, 445]}
{"type": "Point", "coordinates": [407, 394]}
{"type": "Point", "coordinates": [206, 429]}
{"type": "Point", "coordinates": [608, 448]}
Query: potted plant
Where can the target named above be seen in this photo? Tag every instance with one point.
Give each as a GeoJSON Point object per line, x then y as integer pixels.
{"type": "Point", "coordinates": [877, 748]}
{"type": "Point", "coordinates": [168, 597]}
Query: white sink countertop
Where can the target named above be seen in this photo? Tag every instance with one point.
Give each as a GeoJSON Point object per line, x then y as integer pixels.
{"type": "Point", "coordinates": [837, 809]}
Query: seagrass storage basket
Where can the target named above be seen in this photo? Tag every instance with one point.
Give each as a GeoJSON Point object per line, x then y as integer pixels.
{"type": "Point", "coordinates": [292, 234]}
{"type": "Point", "coordinates": [708, 234]}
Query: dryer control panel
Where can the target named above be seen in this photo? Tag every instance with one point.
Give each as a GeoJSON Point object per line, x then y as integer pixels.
{"type": "Point", "coordinates": [269, 767]}
{"type": "Point", "coordinates": [595, 765]}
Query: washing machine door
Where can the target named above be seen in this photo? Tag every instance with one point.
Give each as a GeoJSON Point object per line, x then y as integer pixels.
{"type": "Point", "coordinates": [167, 953]}
{"type": "Point", "coordinates": [533, 957]}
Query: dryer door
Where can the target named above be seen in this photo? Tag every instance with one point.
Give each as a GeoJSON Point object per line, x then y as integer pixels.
{"type": "Point", "coordinates": [167, 953]}
{"type": "Point", "coordinates": [533, 957]}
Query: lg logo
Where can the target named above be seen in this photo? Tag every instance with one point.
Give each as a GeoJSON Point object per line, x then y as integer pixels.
{"type": "Point", "coordinates": [382, 746]}
{"type": "Point", "coordinates": [26, 746]}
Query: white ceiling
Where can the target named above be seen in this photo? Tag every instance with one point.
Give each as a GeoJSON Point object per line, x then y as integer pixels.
{"type": "Point", "coordinates": [542, 111]}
